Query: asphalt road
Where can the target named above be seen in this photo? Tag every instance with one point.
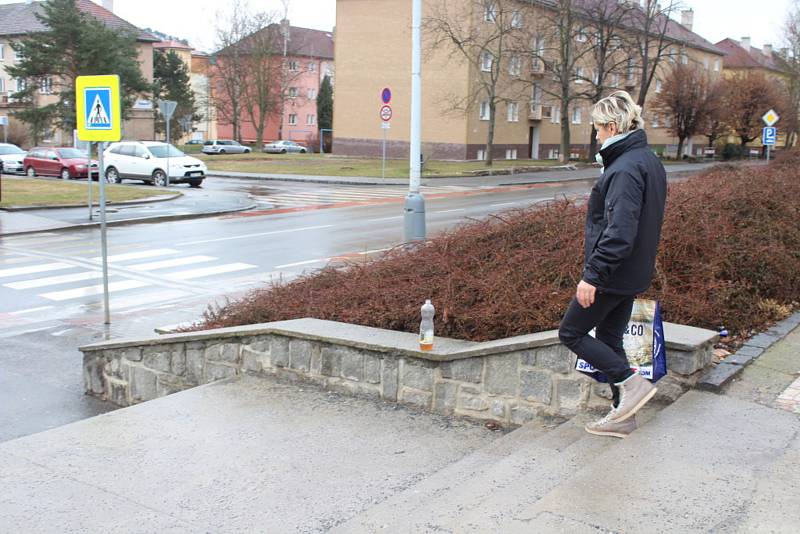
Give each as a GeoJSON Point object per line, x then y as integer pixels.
{"type": "Point", "coordinates": [167, 273]}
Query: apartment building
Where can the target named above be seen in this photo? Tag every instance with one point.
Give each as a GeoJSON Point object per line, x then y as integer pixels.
{"type": "Point", "coordinates": [373, 39]}
{"type": "Point", "coordinates": [309, 57]}
{"type": "Point", "coordinates": [19, 20]}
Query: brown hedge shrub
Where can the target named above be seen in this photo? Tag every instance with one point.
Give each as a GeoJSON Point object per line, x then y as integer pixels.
{"type": "Point", "coordinates": [730, 254]}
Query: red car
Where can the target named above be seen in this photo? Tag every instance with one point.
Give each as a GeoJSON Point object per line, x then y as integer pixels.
{"type": "Point", "coordinates": [54, 161]}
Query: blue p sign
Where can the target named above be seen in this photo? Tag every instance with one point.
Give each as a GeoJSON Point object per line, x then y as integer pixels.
{"type": "Point", "coordinates": [769, 136]}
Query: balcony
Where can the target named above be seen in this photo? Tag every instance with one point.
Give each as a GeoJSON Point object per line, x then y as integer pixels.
{"type": "Point", "coordinates": [537, 67]}
{"type": "Point", "coordinates": [535, 113]}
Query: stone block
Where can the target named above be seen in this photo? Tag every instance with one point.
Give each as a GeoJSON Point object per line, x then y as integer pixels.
{"type": "Point", "coordinates": [556, 358]}
{"type": "Point", "coordinates": [528, 357]}
{"type": "Point", "coordinates": [218, 371]}
{"type": "Point", "coordinates": [300, 354]}
{"type": "Point", "coordinates": [669, 389]}
{"type": "Point", "coordinates": [279, 351]}
{"type": "Point", "coordinates": [719, 376]}
{"type": "Point", "coordinates": [762, 340]}
{"type": "Point", "coordinates": [254, 361]}
{"type": "Point", "coordinates": [157, 358]}
{"type": "Point", "coordinates": [93, 370]}
{"type": "Point", "coordinates": [118, 392]}
{"type": "Point", "coordinates": [113, 368]}
{"type": "Point", "coordinates": [178, 360]}
{"type": "Point", "coordinates": [445, 397]}
{"type": "Point", "coordinates": [417, 376]}
{"type": "Point", "coordinates": [316, 360]}
{"type": "Point", "coordinates": [465, 370]}
{"type": "Point", "coordinates": [521, 414]}
{"type": "Point", "coordinates": [372, 369]}
{"type": "Point", "coordinates": [502, 374]}
{"type": "Point", "coordinates": [257, 344]}
{"type": "Point", "coordinates": [743, 357]}
{"type": "Point", "coordinates": [195, 363]}
{"type": "Point", "coordinates": [352, 363]}
{"type": "Point", "coordinates": [390, 379]}
{"type": "Point", "coordinates": [417, 398]}
{"type": "Point", "coordinates": [687, 363]}
{"type": "Point", "coordinates": [133, 354]}
{"type": "Point", "coordinates": [536, 385]}
{"type": "Point", "coordinates": [223, 352]}
{"type": "Point", "coordinates": [473, 403]}
{"type": "Point", "coordinates": [572, 393]}
{"type": "Point", "coordinates": [356, 389]}
{"type": "Point", "coordinates": [331, 361]}
{"type": "Point", "coordinates": [143, 384]}
{"type": "Point", "coordinates": [168, 387]}
{"type": "Point", "coordinates": [498, 409]}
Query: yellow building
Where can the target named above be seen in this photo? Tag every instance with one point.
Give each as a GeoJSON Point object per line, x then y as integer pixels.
{"type": "Point", "coordinates": [373, 51]}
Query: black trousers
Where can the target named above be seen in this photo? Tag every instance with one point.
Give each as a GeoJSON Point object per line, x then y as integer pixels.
{"type": "Point", "coordinates": [609, 315]}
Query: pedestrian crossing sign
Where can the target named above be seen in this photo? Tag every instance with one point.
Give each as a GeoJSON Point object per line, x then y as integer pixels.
{"type": "Point", "coordinates": [97, 102]}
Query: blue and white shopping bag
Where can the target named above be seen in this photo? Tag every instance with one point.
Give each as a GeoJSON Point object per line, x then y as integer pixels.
{"type": "Point", "coordinates": [643, 342]}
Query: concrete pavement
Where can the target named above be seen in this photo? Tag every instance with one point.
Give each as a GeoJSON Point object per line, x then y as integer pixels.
{"type": "Point", "coordinates": [254, 455]}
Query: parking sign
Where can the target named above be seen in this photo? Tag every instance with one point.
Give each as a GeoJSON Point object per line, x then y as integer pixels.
{"type": "Point", "coordinates": [769, 136]}
{"type": "Point", "coordinates": [97, 100]}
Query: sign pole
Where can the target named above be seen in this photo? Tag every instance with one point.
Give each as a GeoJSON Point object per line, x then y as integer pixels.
{"type": "Point", "coordinates": [383, 160]}
{"type": "Point", "coordinates": [768, 147]}
{"type": "Point", "coordinates": [414, 216]}
{"type": "Point", "coordinates": [89, 175]}
{"type": "Point", "coordinates": [168, 121]}
{"type": "Point", "coordinates": [103, 234]}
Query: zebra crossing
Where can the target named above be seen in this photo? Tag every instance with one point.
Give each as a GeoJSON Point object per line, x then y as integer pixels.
{"type": "Point", "coordinates": [347, 194]}
{"type": "Point", "coordinates": [135, 278]}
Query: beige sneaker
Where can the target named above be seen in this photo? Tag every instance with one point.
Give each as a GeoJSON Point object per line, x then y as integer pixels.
{"type": "Point", "coordinates": [609, 427]}
{"type": "Point", "coordinates": [634, 392]}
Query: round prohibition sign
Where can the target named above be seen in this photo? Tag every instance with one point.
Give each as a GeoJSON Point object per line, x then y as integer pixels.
{"type": "Point", "coordinates": [386, 113]}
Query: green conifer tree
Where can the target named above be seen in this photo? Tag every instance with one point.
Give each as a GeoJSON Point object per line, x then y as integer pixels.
{"type": "Point", "coordinates": [171, 81]}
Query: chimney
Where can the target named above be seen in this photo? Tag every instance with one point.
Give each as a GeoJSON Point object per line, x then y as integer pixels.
{"type": "Point", "coordinates": [768, 50]}
{"type": "Point", "coordinates": [109, 5]}
{"type": "Point", "coordinates": [745, 42]}
{"type": "Point", "coordinates": [687, 19]}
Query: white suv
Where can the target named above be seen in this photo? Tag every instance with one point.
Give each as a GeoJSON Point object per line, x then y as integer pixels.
{"type": "Point", "coordinates": [147, 161]}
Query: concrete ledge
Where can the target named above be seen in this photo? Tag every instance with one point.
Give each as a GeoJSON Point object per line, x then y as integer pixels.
{"type": "Point", "coordinates": [512, 380]}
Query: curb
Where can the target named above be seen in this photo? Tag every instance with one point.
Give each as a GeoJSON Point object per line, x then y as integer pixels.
{"type": "Point", "coordinates": [312, 180]}
{"type": "Point", "coordinates": [146, 200]}
{"type": "Point", "coordinates": [141, 220]}
{"type": "Point", "coordinates": [715, 379]}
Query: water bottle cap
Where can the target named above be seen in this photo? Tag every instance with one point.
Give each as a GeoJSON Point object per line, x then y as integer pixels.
{"type": "Point", "coordinates": [427, 301]}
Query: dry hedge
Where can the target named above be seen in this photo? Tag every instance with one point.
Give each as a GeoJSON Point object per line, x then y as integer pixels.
{"type": "Point", "coordinates": [730, 254]}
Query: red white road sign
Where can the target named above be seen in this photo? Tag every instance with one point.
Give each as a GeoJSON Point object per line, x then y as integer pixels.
{"type": "Point", "coordinates": [386, 113]}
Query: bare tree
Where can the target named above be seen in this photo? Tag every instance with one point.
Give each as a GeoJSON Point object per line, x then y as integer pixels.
{"type": "Point", "coordinates": [228, 70]}
{"type": "Point", "coordinates": [649, 33]}
{"type": "Point", "coordinates": [790, 57]}
{"type": "Point", "coordinates": [686, 97]}
{"type": "Point", "coordinates": [747, 97]}
{"type": "Point", "coordinates": [488, 36]}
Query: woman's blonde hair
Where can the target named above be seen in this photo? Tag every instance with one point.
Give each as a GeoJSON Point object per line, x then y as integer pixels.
{"type": "Point", "coordinates": [619, 108]}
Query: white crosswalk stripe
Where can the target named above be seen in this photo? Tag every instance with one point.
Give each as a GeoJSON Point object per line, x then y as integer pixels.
{"type": "Point", "coordinates": [166, 264]}
{"type": "Point", "coordinates": [209, 271]}
{"type": "Point", "coordinates": [79, 292]}
{"type": "Point", "coordinates": [153, 253]}
{"type": "Point", "coordinates": [55, 280]}
{"type": "Point", "coordinates": [34, 269]}
{"type": "Point", "coordinates": [316, 197]}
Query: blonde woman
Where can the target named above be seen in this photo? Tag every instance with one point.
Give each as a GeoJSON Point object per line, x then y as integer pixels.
{"type": "Point", "coordinates": [623, 228]}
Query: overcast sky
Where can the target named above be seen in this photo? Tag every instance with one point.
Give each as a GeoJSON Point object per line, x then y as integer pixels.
{"type": "Point", "coordinates": [762, 20]}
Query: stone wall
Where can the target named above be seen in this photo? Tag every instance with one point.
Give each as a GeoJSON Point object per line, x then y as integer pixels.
{"type": "Point", "coordinates": [510, 381]}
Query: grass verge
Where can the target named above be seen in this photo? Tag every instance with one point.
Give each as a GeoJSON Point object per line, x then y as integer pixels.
{"type": "Point", "coordinates": [31, 192]}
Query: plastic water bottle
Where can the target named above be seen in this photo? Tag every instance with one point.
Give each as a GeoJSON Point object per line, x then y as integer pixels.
{"type": "Point", "coordinates": [426, 326]}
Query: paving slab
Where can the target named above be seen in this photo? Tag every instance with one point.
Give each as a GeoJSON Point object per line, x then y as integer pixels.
{"type": "Point", "coordinates": [248, 455]}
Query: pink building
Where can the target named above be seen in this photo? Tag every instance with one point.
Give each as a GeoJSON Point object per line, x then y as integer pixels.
{"type": "Point", "coordinates": [309, 58]}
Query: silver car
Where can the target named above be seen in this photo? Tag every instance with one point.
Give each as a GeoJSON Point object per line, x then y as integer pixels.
{"type": "Point", "coordinates": [282, 147]}
{"type": "Point", "coordinates": [225, 146]}
{"type": "Point", "coordinates": [11, 158]}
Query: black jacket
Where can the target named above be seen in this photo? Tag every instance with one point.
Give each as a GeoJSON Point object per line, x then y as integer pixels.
{"type": "Point", "coordinates": [623, 223]}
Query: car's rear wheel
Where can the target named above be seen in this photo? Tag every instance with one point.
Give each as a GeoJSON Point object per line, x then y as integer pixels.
{"type": "Point", "coordinates": [159, 178]}
{"type": "Point", "coordinates": [195, 182]}
{"type": "Point", "coordinates": [283, 151]}
{"type": "Point", "coordinates": [112, 175]}
{"type": "Point", "coordinates": [302, 150]}
{"type": "Point", "coordinates": [221, 151]}
{"type": "Point", "coordinates": [246, 150]}
{"type": "Point", "coordinates": [31, 172]}
{"type": "Point", "coordinates": [65, 175]}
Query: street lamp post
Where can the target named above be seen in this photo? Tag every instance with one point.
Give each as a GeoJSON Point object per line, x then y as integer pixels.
{"type": "Point", "coordinates": [414, 217]}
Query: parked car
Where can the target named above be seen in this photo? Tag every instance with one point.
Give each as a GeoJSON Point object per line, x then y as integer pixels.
{"type": "Point", "coordinates": [283, 147]}
{"type": "Point", "coordinates": [195, 142]}
{"type": "Point", "coordinates": [147, 161]}
{"type": "Point", "coordinates": [223, 146]}
{"type": "Point", "coordinates": [11, 159]}
{"type": "Point", "coordinates": [65, 162]}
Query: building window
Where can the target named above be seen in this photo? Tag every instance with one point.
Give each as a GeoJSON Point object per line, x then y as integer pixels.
{"type": "Point", "coordinates": [579, 75]}
{"type": "Point", "coordinates": [292, 119]}
{"type": "Point", "coordinates": [293, 92]}
{"type": "Point", "coordinates": [658, 85]}
{"type": "Point", "coordinates": [716, 65]}
{"type": "Point", "coordinates": [630, 71]}
{"type": "Point", "coordinates": [684, 59]}
{"type": "Point", "coordinates": [516, 19]}
{"type": "Point", "coordinates": [311, 120]}
{"type": "Point", "coordinates": [2, 85]}
{"type": "Point", "coordinates": [486, 61]}
{"type": "Point", "coordinates": [515, 66]}
{"type": "Point", "coordinates": [556, 118]}
{"type": "Point", "coordinates": [581, 36]}
{"type": "Point", "coordinates": [292, 65]}
{"type": "Point", "coordinates": [511, 153]}
{"type": "Point", "coordinates": [481, 154]}
{"type": "Point", "coordinates": [596, 77]}
{"type": "Point", "coordinates": [312, 94]}
{"type": "Point", "coordinates": [2, 51]}
{"type": "Point", "coordinates": [46, 86]}
{"type": "Point", "coordinates": [576, 115]}
{"type": "Point", "coordinates": [705, 63]}
{"type": "Point", "coordinates": [21, 84]}
{"type": "Point", "coordinates": [513, 112]}
{"type": "Point", "coordinates": [654, 122]}
{"type": "Point", "coordinates": [490, 12]}
{"type": "Point", "coordinates": [485, 111]}
{"type": "Point", "coordinates": [18, 56]}
{"type": "Point", "coordinates": [668, 122]}
{"type": "Point", "coordinates": [536, 95]}
{"type": "Point", "coordinates": [615, 80]}
{"type": "Point", "coordinates": [312, 67]}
